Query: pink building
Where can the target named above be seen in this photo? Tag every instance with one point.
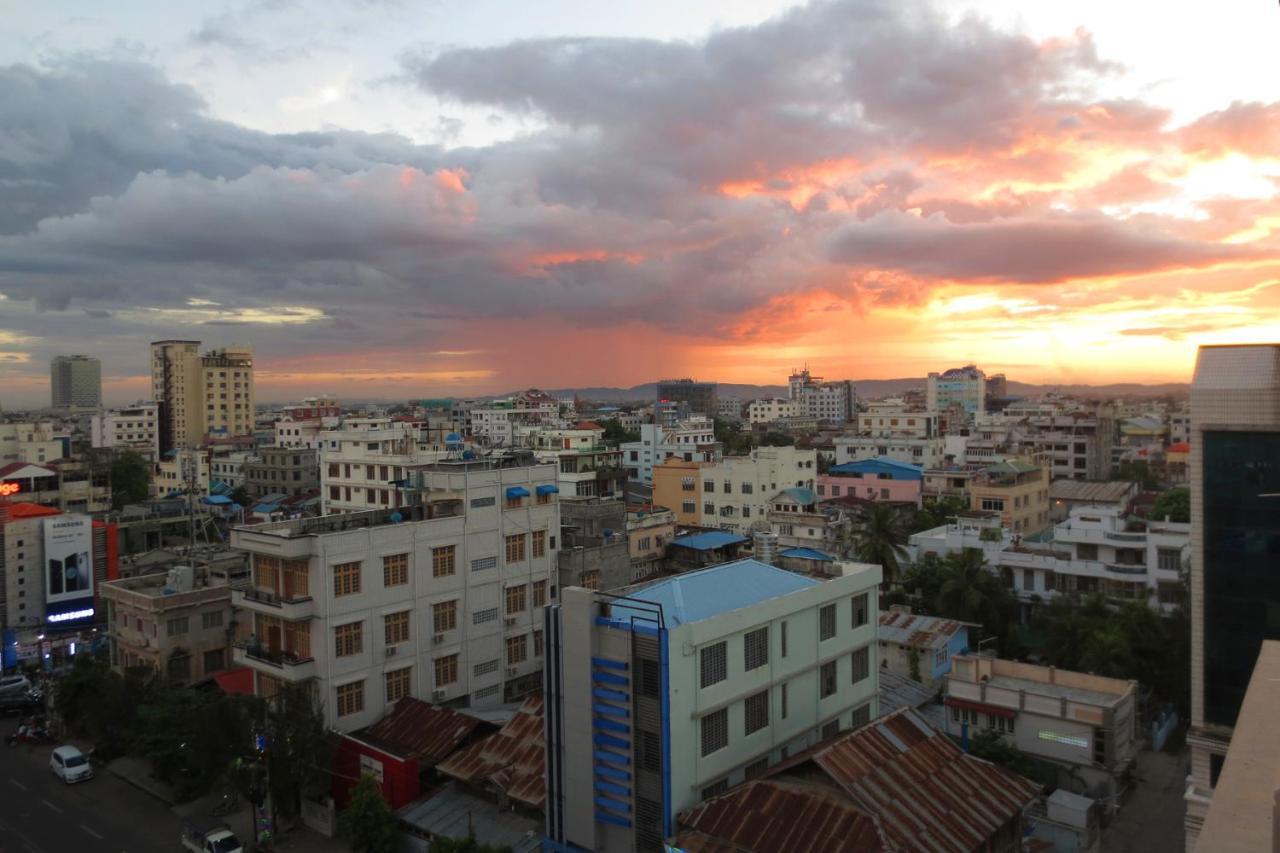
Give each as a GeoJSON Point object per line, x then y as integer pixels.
{"type": "Point", "coordinates": [879, 479]}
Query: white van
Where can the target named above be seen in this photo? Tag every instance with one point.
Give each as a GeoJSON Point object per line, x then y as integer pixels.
{"type": "Point", "coordinates": [70, 764]}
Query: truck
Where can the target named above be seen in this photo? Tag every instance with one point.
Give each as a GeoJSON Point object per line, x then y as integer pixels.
{"type": "Point", "coordinates": [210, 837]}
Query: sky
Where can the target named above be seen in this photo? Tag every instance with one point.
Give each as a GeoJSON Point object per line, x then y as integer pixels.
{"type": "Point", "coordinates": [411, 199]}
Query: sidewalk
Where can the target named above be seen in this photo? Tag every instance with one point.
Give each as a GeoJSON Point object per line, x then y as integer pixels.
{"type": "Point", "coordinates": [137, 772]}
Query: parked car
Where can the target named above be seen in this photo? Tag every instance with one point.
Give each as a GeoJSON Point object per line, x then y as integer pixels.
{"type": "Point", "coordinates": [16, 684]}
{"type": "Point", "coordinates": [210, 838]}
{"type": "Point", "coordinates": [70, 765]}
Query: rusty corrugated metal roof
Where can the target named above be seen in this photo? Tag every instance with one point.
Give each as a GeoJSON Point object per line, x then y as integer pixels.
{"type": "Point", "coordinates": [896, 785]}
{"type": "Point", "coordinates": [510, 760]}
{"type": "Point", "coordinates": [917, 631]}
{"type": "Point", "coordinates": [926, 792]}
{"type": "Point", "coordinates": [421, 730]}
{"type": "Point", "coordinates": [779, 814]}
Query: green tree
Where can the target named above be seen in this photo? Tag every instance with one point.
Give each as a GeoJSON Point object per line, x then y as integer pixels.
{"type": "Point", "coordinates": [969, 592]}
{"type": "Point", "coordinates": [368, 822]}
{"type": "Point", "coordinates": [777, 439]}
{"type": "Point", "coordinates": [130, 479]}
{"type": "Point", "coordinates": [990, 745]}
{"type": "Point", "coordinates": [299, 747]}
{"type": "Point", "coordinates": [936, 512]}
{"type": "Point", "coordinates": [1137, 471]}
{"type": "Point", "coordinates": [615, 433]}
{"type": "Point", "coordinates": [241, 496]}
{"type": "Point", "coordinates": [100, 705]}
{"type": "Point", "coordinates": [880, 538]}
{"type": "Point", "coordinates": [730, 434]}
{"type": "Point", "coordinates": [1174, 504]}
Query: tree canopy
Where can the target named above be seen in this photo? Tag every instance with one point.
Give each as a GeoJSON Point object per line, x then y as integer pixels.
{"type": "Point", "coordinates": [368, 822]}
{"type": "Point", "coordinates": [616, 433]}
{"type": "Point", "coordinates": [1174, 504]}
{"type": "Point", "coordinates": [130, 479]}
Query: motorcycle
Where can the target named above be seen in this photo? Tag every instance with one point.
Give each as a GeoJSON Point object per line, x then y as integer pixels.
{"type": "Point", "coordinates": [34, 734]}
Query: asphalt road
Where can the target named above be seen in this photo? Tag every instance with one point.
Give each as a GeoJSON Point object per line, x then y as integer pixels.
{"type": "Point", "coordinates": [41, 814]}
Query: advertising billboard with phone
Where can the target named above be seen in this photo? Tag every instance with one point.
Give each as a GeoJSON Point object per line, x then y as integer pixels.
{"type": "Point", "coordinates": [68, 558]}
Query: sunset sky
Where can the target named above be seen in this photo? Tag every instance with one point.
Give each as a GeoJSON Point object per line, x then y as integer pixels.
{"type": "Point", "coordinates": [418, 199]}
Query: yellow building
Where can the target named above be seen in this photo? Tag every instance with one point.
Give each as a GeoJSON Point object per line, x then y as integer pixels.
{"type": "Point", "coordinates": [677, 485]}
{"type": "Point", "coordinates": [201, 394]}
{"type": "Point", "coordinates": [1018, 490]}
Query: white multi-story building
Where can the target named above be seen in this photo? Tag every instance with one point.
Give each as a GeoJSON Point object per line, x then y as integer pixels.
{"type": "Point", "coordinates": [729, 408]}
{"type": "Point", "coordinates": [692, 440]}
{"type": "Point", "coordinates": [135, 427]}
{"type": "Point", "coordinates": [680, 688]}
{"type": "Point", "coordinates": [300, 425]}
{"type": "Point", "coordinates": [770, 409]}
{"type": "Point", "coordinates": [927, 452]}
{"type": "Point", "coordinates": [361, 461]}
{"type": "Point", "coordinates": [440, 599]}
{"type": "Point", "coordinates": [1095, 550]}
{"type": "Point", "coordinates": [825, 402]}
{"type": "Point", "coordinates": [35, 442]}
{"type": "Point", "coordinates": [181, 470]}
{"type": "Point", "coordinates": [962, 388]}
{"type": "Point", "coordinates": [587, 468]}
{"type": "Point", "coordinates": [228, 468]}
{"type": "Point", "coordinates": [737, 490]}
{"type": "Point", "coordinates": [893, 417]}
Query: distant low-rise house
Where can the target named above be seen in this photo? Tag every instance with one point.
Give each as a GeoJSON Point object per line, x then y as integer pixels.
{"type": "Point", "coordinates": [873, 479]}
{"type": "Point", "coordinates": [1086, 725]}
{"type": "Point", "coordinates": [930, 640]}
{"type": "Point", "coordinates": [697, 550]}
{"type": "Point", "coordinates": [1017, 489]}
{"type": "Point", "coordinates": [1066, 495]}
{"type": "Point", "coordinates": [649, 530]}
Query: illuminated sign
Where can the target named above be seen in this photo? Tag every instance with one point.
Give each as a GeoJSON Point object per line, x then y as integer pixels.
{"type": "Point", "coordinates": [70, 615]}
{"type": "Point", "coordinates": [1068, 740]}
{"type": "Point", "coordinates": [7, 489]}
{"type": "Point", "coordinates": [68, 558]}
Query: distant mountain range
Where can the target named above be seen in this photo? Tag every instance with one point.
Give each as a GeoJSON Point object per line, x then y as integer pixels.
{"type": "Point", "coordinates": [876, 388]}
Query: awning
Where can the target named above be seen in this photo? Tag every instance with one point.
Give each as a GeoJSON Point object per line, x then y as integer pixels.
{"type": "Point", "coordinates": [235, 681]}
{"type": "Point", "coordinates": [514, 492]}
{"type": "Point", "coordinates": [1007, 713]}
{"type": "Point", "coordinates": [547, 489]}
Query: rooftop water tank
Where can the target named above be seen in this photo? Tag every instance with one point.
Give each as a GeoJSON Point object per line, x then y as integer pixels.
{"type": "Point", "coordinates": [765, 544]}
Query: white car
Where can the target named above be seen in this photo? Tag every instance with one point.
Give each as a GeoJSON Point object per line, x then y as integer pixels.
{"type": "Point", "coordinates": [70, 764]}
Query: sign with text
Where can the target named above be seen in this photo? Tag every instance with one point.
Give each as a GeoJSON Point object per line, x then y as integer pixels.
{"type": "Point", "coordinates": [68, 558]}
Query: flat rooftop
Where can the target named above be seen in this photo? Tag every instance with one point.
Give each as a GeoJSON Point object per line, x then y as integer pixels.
{"type": "Point", "coordinates": [1241, 813]}
{"type": "Point", "coordinates": [1075, 694]}
{"type": "Point", "coordinates": [707, 593]}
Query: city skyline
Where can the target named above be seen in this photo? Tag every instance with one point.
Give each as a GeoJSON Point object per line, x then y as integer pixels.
{"type": "Point", "coordinates": [399, 202]}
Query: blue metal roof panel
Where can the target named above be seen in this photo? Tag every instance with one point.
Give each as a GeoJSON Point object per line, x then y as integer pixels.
{"type": "Point", "coordinates": [807, 554]}
{"type": "Point", "coordinates": [709, 540]}
{"type": "Point", "coordinates": [880, 464]}
{"type": "Point", "coordinates": [703, 594]}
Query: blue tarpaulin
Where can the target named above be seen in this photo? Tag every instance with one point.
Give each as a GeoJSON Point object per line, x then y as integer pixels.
{"type": "Point", "coordinates": [514, 492]}
{"type": "Point", "coordinates": [547, 489]}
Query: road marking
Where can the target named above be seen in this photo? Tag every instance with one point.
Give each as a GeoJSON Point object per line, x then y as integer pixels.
{"type": "Point", "coordinates": [30, 845]}
{"type": "Point", "coordinates": [52, 806]}
{"type": "Point", "coordinates": [18, 784]}
{"type": "Point", "coordinates": [91, 832]}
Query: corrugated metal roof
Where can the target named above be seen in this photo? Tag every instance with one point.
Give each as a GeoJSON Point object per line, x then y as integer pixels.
{"type": "Point", "coordinates": [919, 632]}
{"type": "Point", "coordinates": [898, 691]}
{"type": "Point", "coordinates": [779, 814]}
{"type": "Point", "coordinates": [708, 541]}
{"type": "Point", "coordinates": [926, 792]}
{"type": "Point", "coordinates": [421, 730]}
{"type": "Point", "coordinates": [451, 812]}
{"type": "Point", "coordinates": [877, 465]}
{"type": "Point", "coordinates": [705, 593]}
{"type": "Point", "coordinates": [510, 760]}
{"type": "Point", "coordinates": [806, 554]}
{"type": "Point", "coordinates": [1088, 490]}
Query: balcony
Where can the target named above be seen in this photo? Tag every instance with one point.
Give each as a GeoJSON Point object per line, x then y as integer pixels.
{"type": "Point", "coordinates": [291, 609]}
{"type": "Point", "coordinates": [282, 664]}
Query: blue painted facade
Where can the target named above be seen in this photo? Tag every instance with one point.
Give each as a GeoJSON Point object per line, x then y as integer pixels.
{"type": "Point", "coordinates": [958, 645]}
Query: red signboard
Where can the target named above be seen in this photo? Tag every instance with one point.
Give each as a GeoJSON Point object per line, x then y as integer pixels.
{"type": "Point", "coordinates": [7, 489]}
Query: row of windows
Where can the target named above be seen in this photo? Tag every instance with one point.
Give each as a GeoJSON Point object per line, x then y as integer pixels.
{"type": "Point", "coordinates": [348, 639]}
{"type": "Point", "coordinates": [714, 727]}
{"type": "Point", "coordinates": [395, 567]}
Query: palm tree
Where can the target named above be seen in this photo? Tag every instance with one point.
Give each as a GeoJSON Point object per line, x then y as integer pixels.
{"type": "Point", "coordinates": [969, 592]}
{"type": "Point", "coordinates": [879, 538]}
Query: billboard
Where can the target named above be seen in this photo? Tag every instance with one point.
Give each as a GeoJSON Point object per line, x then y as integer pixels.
{"type": "Point", "coordinates": [68, 559]}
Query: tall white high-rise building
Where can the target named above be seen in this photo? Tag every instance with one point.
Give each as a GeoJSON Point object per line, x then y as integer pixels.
{"type": "Point", "coordinates": [827, 402]}
{"type": "Point", "coordinates": [75, 382]}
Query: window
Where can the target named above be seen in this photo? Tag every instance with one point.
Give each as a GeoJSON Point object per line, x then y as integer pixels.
{"type": "Point", "coordinates": [517, 649]}
{"type": "Point", "coordinates": [827, 680]}
{"type": "Point", "coordinates": [755, 648]}
{"type": "Point", "coordinates": [348, 639]}
{"type": "Point", "coordinates": [1086, 552]}
{"type": "Point", "coordinates": [214, 660]}
{"type": "Point", "coordinates": [827, 622]}
{"type": "Point", "coordinates": [590, 579]}
{"type": "Point", "coordinates": [714, 664]}
{"type": "Point", "coordinates": [350, 698]}
{"type": "Point", "coordinates": [398, 683]}
{"type": "Point", "coordinates": [783, 638]}
{"type": "Point", "coordinates": [481, 563]}
{"type": "Point", "coordinates": [346, 579]}
{"type": "Point", "coordinates": [688, 507]}
{"type": "Point", "coordinates": [715, 789]}
{"type": "Point", "coordinates": [708, 486]}
{"type": "Point", "coordinates": [783, 703]}
{"type": "Point", "coordinates": [211, 619]}
{"type": "Point", "coordinates": [539, 543]}
{"type": "Point", "coordinates": [831, 729]}
{"type": "Point", "coordinates": [444, 561]}
{"type": "Point", "coordinates": [755, 712]}
{"type": "Point", "coordinates": [537, 644]}
{"type": "Point", "coordinates": [686, 484]}
{"type": "Point", "coordinates": [476, 503]}
{"type": "Point", "coordinates": [1099, 746]}
{"type": "Point", "coordinates": [395, 570]}
{"type": "Point", "coordinates": [515, 547]}
{"type": "Point", "coordinates": [861, 715]}
{"type": "Point", "coordinates": [1168, 559]}
{"type": "Point", "coordinates": [446, 670]}
{"type": "Point", "coordinates": [176, 626]}
{"type": "Point", "coordinates": [485, 668]}
{"type": "Point", "coordinates": [728, 487]}
{"type": "Point", "coordinates": [479, 617]}
{"type": "Point", "coordinates": [746, 488]}
{"type": "Point", "coordinates": [649, 747]}
{"type": "Point", "coordinates": [539, 593]}
{"type": "Point", "coordinates": [786, 530]}
{"type": "Point", "coordinates": [993, 504]}
{"type": "Point", "coordinates": [861, 664]}
{"type": "Point", "coordinates": [516, 599]}
{"type": "Point", "coordinates": [715, 731]}
{"type": "Point", "coordinates": [859, 610]}
{"type": "Point", "coordinates": [444, 616]}
{"type": "Point", "coordinates": [708, 508]}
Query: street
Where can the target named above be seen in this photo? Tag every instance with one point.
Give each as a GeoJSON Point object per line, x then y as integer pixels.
{"type": "Point", "coordinates": [40, 814]}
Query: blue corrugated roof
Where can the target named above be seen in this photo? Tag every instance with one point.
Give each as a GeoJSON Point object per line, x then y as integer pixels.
{"type": "Point", "coordinates": [265, 509]}
{"type": "Point", "coordinates": [807, 554]}
{"type": "Point", "coordinates": [695, 596]}
{"type": "Point", "coordinates": [216, 499]}
{"type": "Point", "coordinates": [799, 494]}
{"type": "Point", "coordinates": [708, 541]}
{"type": "Point", "coordinates": [880, 464]}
